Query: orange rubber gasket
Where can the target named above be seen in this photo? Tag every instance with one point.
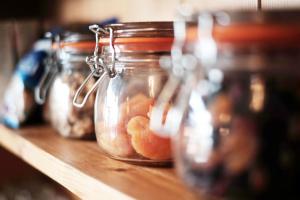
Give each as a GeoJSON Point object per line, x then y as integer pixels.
{"type": "Point", "coordinates": [140, 43]}
{"type": "Point", "coordinates": [86, 45]}
{"type": "Point", "coordinates": [251, 33]}
{"type": "Point", "coordinates": [126, 44]}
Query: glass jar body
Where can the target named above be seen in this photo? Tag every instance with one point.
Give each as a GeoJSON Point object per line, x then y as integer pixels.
{"type": "Point", "coordinates": [68, 120]}
{"type": "Point", "coordinates": [122, 111]}
{"type": "Point", "coordinates": [240, 136]}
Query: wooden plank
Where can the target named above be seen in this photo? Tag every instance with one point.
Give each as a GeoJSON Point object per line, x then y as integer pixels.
{"type": "Point", "coordinates": [86, 171]}
{"type": "Point", "coordinates": [16, 175]}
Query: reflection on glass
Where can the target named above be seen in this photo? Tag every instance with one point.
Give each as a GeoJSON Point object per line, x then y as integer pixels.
{"type": "Point", "coordinates": [258, 93]}
{"type": "Point", "coordinates": [199, 140]}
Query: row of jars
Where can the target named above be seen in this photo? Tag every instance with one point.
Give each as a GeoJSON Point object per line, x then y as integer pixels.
{"type": "Point", "coordinates": [221, 88]}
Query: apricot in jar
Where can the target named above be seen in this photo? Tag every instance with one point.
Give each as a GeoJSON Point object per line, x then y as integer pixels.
{"type": "Point", "coordinates": [147, 143]}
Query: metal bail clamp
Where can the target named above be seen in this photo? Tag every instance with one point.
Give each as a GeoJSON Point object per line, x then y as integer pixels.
{"type": "Point", "coordinates": [98, 68]}
{"type": "Point", "coordinates": [206, 48]}
{"type": "Point", "coordinates": [111, 71]}
{"type": "Point", "coordinates": [177, 74]}
{"type": "Point", "coordinates": [51, 70]}
{"type": "Point", "coordinates": [182, 75]}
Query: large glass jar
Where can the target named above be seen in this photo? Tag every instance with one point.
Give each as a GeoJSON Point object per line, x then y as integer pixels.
{"type": "Point", "coordinates": [127, 89]}
{"type": "Point", "coordinates": [240, 136]}
{"type": "Point", "coordinates": [65, 72]}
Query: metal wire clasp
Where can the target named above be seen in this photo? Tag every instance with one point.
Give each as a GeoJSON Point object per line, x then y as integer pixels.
{"type": "Point", "coordinates": [181, 65]}
{"type": "Point", "coordinates": [51, 70]}
{"type": "Point", "coordinates": [206, 48]}
{"type": "Point", "coordinates": [183, 76]}
{"type": "Point", "coordinates": [97, 65]}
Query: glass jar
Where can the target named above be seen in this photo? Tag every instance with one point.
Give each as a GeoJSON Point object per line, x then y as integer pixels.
{"type": "Point", "coordinates": [65, 72]}
{"type": "Point", "coordinates": [130, 81]}
{"type": "Point", "coordinates": [239, 136]}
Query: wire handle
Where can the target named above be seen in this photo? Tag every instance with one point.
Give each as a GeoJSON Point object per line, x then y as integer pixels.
{"type": "Point", "coordinates": [99, 69]}
{"type": "Point", "coordinates": [178, 71]}
{"type": "Point", "coordinates": [183, 76]}
{"type": "Point", "coordinates": [51, 70]}
{"type": "Point", "coordinates": [40, 92]}
{"type": "Point", "coordinates": [88, 94]}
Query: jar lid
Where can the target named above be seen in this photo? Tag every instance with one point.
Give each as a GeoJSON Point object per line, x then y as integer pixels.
{"type": "Point", "coordinates": [75, 42]}
{"type": "Point", "coordinates": [140, 36]}
{"type": "Point", "coordinates": [144, 39]}
{"type": "Point", "coordinates": [243, 28]}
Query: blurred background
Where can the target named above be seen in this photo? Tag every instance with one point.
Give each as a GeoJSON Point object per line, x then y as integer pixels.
{"type": "Point", "coordinates": [23, 22]}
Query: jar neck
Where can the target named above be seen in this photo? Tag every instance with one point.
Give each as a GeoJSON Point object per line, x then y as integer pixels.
{"type": "Point", "coordinates": [134, 57]}
{"type": "Point", "coordinates": [73, 62]}
{"type": "Point", "coordinates": [138, 50]}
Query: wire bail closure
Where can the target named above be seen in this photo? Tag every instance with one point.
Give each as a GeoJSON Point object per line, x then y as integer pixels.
{"type": "Point", "coordinates": [206, 48]}
{"type": "Point", "coordinates": [182, 72]}
{"type": "Point", "coordinates": [177, 71]}
{"type": "Point", "coordinates": [51, 70]}
{"type": "Point", "coordinates": [99, 68]}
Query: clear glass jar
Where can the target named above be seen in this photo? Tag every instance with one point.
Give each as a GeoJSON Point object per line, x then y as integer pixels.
{"type": "Point", "coordinates": [65, 73]}
{"type": "Point", "coordinates": [240, 137]}
{"type": "Point", "coordinates": [128, 88]}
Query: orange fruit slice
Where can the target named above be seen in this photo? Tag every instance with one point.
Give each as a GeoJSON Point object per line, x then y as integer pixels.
{"type": "Point", "coordinates": [147, 143]}
{"type": "Point", "coordinates": [114, 140]}
{"type": "Point", "coordinates": [137, 105]}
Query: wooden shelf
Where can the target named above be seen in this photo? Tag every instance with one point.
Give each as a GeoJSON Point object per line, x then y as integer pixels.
{"type": "Point", "coordinates": [82, 167]}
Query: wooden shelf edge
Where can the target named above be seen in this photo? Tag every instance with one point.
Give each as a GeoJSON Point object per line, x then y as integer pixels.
{"type": "Point", "coordinates": [61, 172]}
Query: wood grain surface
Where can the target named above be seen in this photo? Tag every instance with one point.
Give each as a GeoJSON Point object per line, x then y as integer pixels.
{"type": "Point", "coordinates": [85, 170]}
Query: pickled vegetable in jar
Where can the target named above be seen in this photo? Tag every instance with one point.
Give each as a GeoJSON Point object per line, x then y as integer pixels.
{"type": "Point", "coordinates": [239, 137]}
{"type": "Point", "coordinates": [66, 70]}
{"type": "Point", "coordinates": [130, 80]}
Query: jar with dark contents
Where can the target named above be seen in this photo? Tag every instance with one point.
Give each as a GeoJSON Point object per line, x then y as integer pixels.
{"type": "Point", "coordinates": [127, 88]}
{"type": "Point", "coordinates": [240, 137]}
{"type": "Point", "coordinates": [66, 71]}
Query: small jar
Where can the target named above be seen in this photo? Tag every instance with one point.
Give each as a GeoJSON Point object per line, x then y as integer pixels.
{"type": "Point", "coordinates": [239, 136]}
{"type": "Point", "coordinates": [65, 72]}
{"type": "Point", "coordinates": [127, 88]}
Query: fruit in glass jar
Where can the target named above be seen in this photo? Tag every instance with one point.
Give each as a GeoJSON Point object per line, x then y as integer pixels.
{"type": "Point", "coordinates": [138, 105]}
{"type": "Point", "coordinates": [239, 148]}
{"type": "Point", "coordinates": [146, 142]}
{"type": "Point", "coordinates": [114, 140]}
{"type": "Point", "coordinates": [221, 109]}
{"type": "Point", "coordinates": [70, 122]}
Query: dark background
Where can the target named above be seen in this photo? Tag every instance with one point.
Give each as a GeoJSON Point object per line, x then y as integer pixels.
{"type": "Point", "coordinates": [18, 9]}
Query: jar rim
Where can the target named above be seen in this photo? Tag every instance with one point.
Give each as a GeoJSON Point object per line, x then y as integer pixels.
{"type": "Point", "coordinates": [85, 46]}
{"type": "Point", "coordinates": [247, 34]}
{"type": "Point", "coordinates": [74, 41]}
{"type": "Point", "coordinates": [265, 28]}
{"type": "Point", "coordinates": [140, 36]}
{"type": "Point", "coordinates": [141, 29]}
